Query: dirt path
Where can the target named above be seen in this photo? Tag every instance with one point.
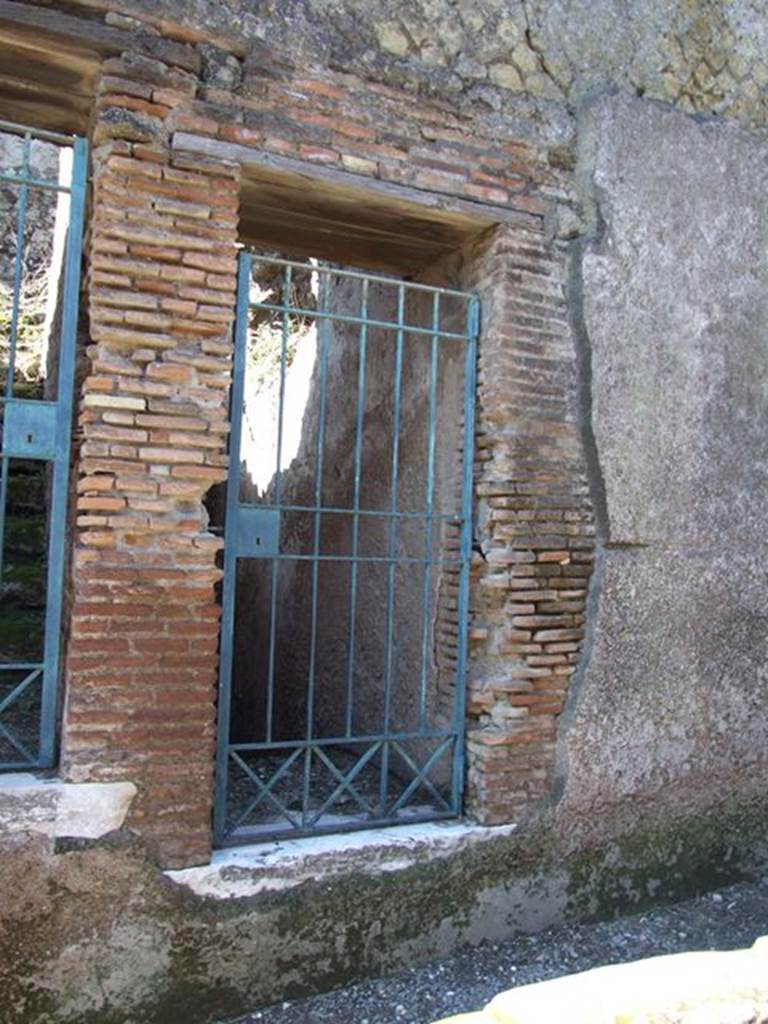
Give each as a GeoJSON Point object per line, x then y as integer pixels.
{"type": "Point", "coordinates": [726, 919]}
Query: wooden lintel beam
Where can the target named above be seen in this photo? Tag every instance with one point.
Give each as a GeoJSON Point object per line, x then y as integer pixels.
{"type": "Point", "coordinates": [476, 216]}
{"type": "Point", "coordinates": [168, 27]}
{"type": "Point", "coordinates": [43, 29]}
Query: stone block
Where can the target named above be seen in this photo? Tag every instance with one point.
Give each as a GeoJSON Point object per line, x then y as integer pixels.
{"type": "Point", "coordinates": [684, 988]}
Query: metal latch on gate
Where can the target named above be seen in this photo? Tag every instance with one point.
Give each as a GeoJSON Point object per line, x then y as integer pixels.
{"type": "Point", "coordinates": [256, 532]}
{"type": "Point", "coordinates": [29, 429]}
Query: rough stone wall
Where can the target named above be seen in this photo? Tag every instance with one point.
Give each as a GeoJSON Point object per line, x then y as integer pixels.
{"type": "Point", "coordinates": [521, 58]}
{"type": "Point", "coordinates": [141, 664]}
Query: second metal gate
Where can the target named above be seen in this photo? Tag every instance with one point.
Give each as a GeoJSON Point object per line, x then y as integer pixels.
{"type": "Point", "coordinates": [347, 547]}
{"type": "Point", "coordinates": [42, 198]}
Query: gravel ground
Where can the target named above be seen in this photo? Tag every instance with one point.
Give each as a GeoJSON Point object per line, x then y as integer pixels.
{"type": "Point", "coordinates": [729, 918]}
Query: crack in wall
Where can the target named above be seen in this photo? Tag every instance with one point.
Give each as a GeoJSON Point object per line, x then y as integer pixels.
{"type": "Point", "coordinates": [536, 49]}
{"type": "Point", "coordinates": [582, 342]}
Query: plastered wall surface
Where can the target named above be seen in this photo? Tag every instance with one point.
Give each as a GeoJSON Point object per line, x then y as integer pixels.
{"type": "Point", "coordinates": [672, 705]}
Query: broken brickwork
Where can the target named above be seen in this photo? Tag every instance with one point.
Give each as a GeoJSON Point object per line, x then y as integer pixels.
{"type": "Point", "coordinates": [534, 526]}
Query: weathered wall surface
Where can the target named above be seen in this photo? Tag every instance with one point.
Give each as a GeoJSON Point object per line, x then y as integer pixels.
{"type": "Point", "coordinates": [641, 395]}
{"type": "Point", "coordinates": [95, 934]}
{"type": "Point", "coordinates": [707, 56]}
{"type": "Point", "coordinates": [672, 708]}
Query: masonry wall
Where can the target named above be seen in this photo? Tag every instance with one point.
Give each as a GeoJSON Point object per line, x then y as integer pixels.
{"type": "Point", "coordinates": [141, 661]}
{"type": "Point", "coordinates": [617, 714]}
{"type": "Point", "coordinates": [534, 524]}
{"type": "Point", "coordinates": [168, 143]}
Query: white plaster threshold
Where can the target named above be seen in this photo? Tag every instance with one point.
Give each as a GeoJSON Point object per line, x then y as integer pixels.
{"type": "Point", "coordinates": [244, 871]}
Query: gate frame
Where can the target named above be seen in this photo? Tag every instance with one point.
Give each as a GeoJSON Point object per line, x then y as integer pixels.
{"type": "Point", "coordinates": [60, 417]}
{"type": "Point", "coordinates": [233, 528]}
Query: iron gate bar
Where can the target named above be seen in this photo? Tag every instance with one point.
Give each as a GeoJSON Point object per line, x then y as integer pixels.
{"type": "Point", "coordinates": [380, 512]}
{"type": "Point", "coordinates": [21, 223]}
{"type": "Point", "coordinates": [470, 376]}
{"type": "Point", "coordinates": [23, 685]}
{"type": "Point", "coordinates": [430, 502]}
{"type": "Point", "coordinates": [315, 827]}
{"type": "Point", "coordinates": [223, 750]}
{"type": "Point", "coordinates": [345, 780]}
{"type": "Point", "coordinates": [266, 788]}
{"type": "Point", "coordinates": [384, 778]}
{"type": "Point", "coordinates": [361, 275]}
{"type": "Point", "coordinates": [381, 559]}
{"type": "Point", "coordinates": [362, 348]}
{"type": "Point", "coordinates": [377, 748]}
{"type": "Point", "coordinates": [269, 710]}
{"type": "Point", "coordinates": [343, 319]}
{"type": "Point", "coordinates": [421, 778]}
{"type": "Point", "coordinates": [16, 179]}
{"type": "Point", "coordinates": [319, 453]}
{"type": "Point", "coordinates": [321, 741]}
{"type": "Point", "coordinates": [51, 446]}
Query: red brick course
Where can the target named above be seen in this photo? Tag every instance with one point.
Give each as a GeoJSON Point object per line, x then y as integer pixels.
{"type": "Point", "coordinates": [142, 657]}
{"type": "Point", "coordinates": [534, 525]}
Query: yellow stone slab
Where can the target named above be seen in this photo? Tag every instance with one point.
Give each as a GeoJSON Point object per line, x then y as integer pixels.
{"type": "Point", "coordinates": [685, 988]}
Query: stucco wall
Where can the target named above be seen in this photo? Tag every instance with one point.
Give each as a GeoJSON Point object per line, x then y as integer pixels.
{"type": "Point", "coordinates": [673, 309]}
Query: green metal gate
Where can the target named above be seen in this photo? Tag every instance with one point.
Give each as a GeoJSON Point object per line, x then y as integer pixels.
{"type": "Point", "coordinates": [42, 198]}
{"type": "Point", "coordinates": [346, 572]}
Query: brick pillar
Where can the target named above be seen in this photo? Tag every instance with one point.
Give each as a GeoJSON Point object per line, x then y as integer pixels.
{"type": "Point", "coordinates": [535, 526]}
{"type": "Point", "coordinates": [142, 660]}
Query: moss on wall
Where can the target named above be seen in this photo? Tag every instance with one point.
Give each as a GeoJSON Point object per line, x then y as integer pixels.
{"type": "Point", "coordinates": [97, 935]}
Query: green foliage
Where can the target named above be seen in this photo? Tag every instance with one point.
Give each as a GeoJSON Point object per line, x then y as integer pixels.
{"type": "Point", "coordinates": [268, 326]}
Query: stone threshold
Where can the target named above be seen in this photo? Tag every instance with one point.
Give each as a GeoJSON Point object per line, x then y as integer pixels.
{"type": "Point", "coordinates": [57, 809]}
{"type": "Point", "coordinates": [245, 871]}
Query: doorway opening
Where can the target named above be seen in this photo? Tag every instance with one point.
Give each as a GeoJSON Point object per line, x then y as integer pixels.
{"type": "Point", "coordinates": [347, 546]}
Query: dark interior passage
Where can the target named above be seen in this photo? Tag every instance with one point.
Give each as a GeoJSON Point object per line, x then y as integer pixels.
{"type": "Point", "coordinates": [351, 460]}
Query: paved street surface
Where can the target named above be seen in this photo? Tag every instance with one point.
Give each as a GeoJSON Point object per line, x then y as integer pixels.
{"type": "Point", "coordinates": [727, 919]}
